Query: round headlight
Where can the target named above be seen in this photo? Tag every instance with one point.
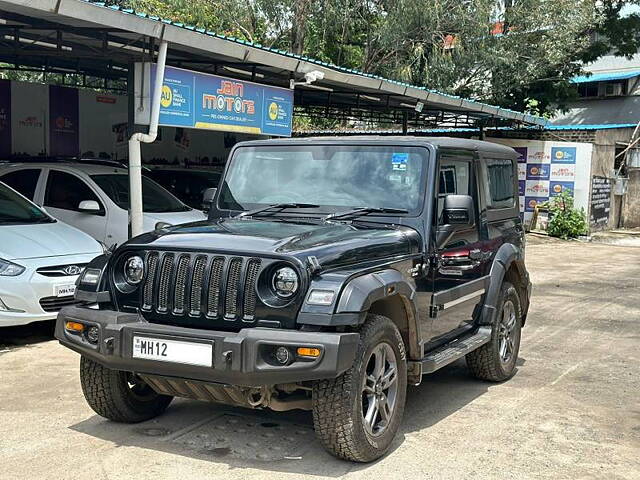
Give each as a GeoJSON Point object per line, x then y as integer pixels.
{"type": "Point", "coordinates": [285, 282]}
{"type": "Point", "coordinates": [134, 270]}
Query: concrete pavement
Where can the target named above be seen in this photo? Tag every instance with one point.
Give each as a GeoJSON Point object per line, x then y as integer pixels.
{"type": "Point", "coordinates": [572, 410]}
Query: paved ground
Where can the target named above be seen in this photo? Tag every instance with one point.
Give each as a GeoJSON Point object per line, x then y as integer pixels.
{"type": "Point", "coordinates": [572, 410]}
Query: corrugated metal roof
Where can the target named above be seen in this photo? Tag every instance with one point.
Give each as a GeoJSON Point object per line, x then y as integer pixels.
{"type": "Point", "coordinates": [468, 130]}
{"type": "Point", "coordinates": [604, 77]}
{"type": "Point", "coordinates": [440, 97]}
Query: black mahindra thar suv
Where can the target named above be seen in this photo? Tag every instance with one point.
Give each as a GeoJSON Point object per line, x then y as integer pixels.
{"type": "Point", "coordinates": [331, 274]}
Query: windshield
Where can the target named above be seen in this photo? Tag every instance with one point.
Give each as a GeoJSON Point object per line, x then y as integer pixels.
{"type": "Point", "coordinates": [15, 209]}
{"type": "Point", "coordinates": [155, 199]}
{"type": "Point", "coordinates": [335, 177]}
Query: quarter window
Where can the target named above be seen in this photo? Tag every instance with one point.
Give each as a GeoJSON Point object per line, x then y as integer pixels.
{"type": "Point", "coordinates": [500, 176]}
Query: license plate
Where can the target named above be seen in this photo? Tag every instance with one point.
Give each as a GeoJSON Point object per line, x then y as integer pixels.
{"type": "Point", "coordinates": [64, 290]}
{"type": "Point", "coordinates": [175, 351]}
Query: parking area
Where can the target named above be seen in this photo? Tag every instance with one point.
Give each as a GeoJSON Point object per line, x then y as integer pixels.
{"type": "Point", "coordinates": [571, 411]}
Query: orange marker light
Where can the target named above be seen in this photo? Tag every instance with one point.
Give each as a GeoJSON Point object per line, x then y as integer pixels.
{"type": "Point", "coordinates": [308, 352]}
{"type": "Point", "coordinates": [74, 326]}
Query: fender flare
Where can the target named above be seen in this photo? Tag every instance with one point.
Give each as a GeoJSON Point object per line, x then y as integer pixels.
{"type": "Point", "coordinates": [505, 256]}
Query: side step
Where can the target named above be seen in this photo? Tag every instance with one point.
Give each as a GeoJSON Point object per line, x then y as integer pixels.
{"type": "Point", "coordinates": [454, 350]}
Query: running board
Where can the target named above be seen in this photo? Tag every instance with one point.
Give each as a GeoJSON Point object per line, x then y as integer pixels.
{"type": "Point", "coordinates": [454, 350]}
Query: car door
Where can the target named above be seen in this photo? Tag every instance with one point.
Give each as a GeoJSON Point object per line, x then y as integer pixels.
{"type": "Point", "coordinates": [63, 193]}
{"type": "Point", "coordinates": [458, 270]}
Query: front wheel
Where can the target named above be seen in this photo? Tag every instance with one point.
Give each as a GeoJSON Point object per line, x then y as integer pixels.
{"type": "Point", "coordinates": [119, 396]}
{"type": "Point", "coordinates": [357, 415]}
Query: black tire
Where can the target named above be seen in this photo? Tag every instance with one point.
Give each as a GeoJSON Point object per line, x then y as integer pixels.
{"type": "Point", "coordinates": [489, 361]}
{"type": "Point", "coordinates": [119, 396]}
{"type": "Point", "coordinates": [338, 404]}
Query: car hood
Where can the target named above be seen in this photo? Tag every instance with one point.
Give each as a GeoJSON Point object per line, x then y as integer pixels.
{"type": "Point", "coordinates": [172, 218]}
{"type": "Point", "coordinates": [40, 240]}
{"type": "Point", "coordinates": [333, 244]}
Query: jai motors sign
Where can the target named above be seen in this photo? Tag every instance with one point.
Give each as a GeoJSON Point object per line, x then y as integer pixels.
{"type": "Point", "coordinates": [202, 101]}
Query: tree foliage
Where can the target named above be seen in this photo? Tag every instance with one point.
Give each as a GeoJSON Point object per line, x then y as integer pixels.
{"type": "Point", "coordinates": [513, 53]}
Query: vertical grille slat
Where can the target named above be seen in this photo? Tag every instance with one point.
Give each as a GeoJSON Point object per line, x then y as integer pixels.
{"type": "Point", "coordinates": [166, 272]}
{"type": "Point", "coordinates": [196, 285]}
{"type": "Point", "coordinates": [249, 307]}
{"type": "Point", "coordinates": [181, 284]}
{"type": "Point", "coordinates": [147, 293]}
{"type": "Point", "coordinates": [213, 296]}
{"type": "Point", "coordinates": [201, 286]}
{"type": "Point", "coordinates": [231, 294]}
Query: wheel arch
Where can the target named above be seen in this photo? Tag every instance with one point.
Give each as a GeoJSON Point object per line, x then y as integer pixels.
{"type": "Point", "coordinates": [508, 264]}
{"type": "Point", "coordinates": [385, 293]}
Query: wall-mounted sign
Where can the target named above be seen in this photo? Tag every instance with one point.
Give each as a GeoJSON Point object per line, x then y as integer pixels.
{"type": "Point", "coordinates": [198, 100]}
{"type": "Point", "coordinates": [5, 118]}
{"type": "Point", "coordinates": [600, 201]}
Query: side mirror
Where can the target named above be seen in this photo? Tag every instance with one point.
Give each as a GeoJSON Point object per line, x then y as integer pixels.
{"type": "Point", "coordinates": [458, 214]}
{"type": "Point", "coordinates": [208, 196]}
{"type": "Point", "coordinates": [89, 206]}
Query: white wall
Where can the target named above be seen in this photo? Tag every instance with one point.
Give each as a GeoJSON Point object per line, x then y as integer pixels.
{"type": "Point", "coordinates": [29, 118]}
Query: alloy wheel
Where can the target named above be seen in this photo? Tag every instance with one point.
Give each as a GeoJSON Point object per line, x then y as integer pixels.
{"type": "Point", "coordinates": [379, 389]}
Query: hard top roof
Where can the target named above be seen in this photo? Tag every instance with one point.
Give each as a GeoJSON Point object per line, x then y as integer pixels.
{"type": "Point", "coordinates": [438, 142]}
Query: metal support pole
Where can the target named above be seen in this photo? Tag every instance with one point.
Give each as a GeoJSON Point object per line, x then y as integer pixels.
{"type": "Point", "coordinates": [135, 157]}
{"type": "Point", "coordinates": [405, 122]}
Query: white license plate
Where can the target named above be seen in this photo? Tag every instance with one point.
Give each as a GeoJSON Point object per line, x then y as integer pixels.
{"type": "Point", "coordinates": [175, 351]}
{"type": "Point", "coordinates": [64, 290]}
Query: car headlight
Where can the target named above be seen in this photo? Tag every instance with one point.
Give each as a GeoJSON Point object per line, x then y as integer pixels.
{"type": "Point", "coordinates": [285, 282]}
{"type": "Point", "coordinates": [134, 270]}
{"type": "Point", "coordinates": [10, 269]}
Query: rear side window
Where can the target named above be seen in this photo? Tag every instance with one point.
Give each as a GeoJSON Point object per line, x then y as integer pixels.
{"type": "Point", "coordinates": [23, 181]}
{"type": "Point", "coordinates": [66, 191]}
{"type": "Point", "coordinates": [500, 177]}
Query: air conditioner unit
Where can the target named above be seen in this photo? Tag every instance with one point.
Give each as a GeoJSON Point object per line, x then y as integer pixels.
{"type": "Point", "coordinates": [613, 89]}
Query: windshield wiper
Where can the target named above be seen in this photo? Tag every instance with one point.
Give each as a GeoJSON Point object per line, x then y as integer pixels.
{"type": "Point", "coordinates": [276, 206]}
{"type": "Point", "coordinates": [356, 212]}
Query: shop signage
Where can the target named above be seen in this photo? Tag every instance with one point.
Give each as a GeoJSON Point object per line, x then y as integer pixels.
{"type": "Point", "coordinates": [600, 201]}
{"type": "Point", "coordinates": [64, 121]}
{"type": "Point", "coordinates": [198, 100]}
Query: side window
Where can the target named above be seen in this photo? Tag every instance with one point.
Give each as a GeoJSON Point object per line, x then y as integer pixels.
{"type": "Point", "coordinates": [66, 191]}
{"type": "Point", "coordinates": [500, 178]}
{"type": "Point", "coordinates": [23, 181]}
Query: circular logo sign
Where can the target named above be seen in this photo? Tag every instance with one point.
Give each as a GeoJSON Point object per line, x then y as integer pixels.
{"type": "Point", "coordinates": [557, 188]}
{"type": "Point", "coordinates": [273, 110]}
{"type": "Point", "coordinates": [559, 154]}
{"type": "Point", "coordinates": [166, 97]}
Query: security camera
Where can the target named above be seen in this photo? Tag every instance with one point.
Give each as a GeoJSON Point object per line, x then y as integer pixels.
{"type": "Point", "coordinates": [313, 76]}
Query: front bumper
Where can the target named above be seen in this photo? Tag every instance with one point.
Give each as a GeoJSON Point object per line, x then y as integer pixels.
{"type": "Point", "coordinates": [239, 358]}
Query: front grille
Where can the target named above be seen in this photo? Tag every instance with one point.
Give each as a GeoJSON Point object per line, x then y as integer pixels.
{"type": "Point", "coordinates": [54, 304]}
{"type": "Point", "coordinates": [197, 285]}
{"type": "Point", "coordinates": [68, 270]}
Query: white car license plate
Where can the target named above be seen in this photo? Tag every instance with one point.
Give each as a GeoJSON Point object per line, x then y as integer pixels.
{"type": "Point", "coordinates": [64, 290]}
{"type": "Point", "coordinates": [175, 351]}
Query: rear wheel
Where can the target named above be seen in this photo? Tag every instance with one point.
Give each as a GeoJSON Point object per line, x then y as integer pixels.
{"type": "Point", "coordinates": [357, 415]}
{"type": "Point", "coordinates": [119, 396]}
{"type": "Point", "coordinates": [496, 361]}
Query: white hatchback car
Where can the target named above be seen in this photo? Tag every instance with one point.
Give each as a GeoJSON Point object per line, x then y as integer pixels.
{"type": "Point", "coordinates": [40, 260]}
{"type": "Point", "coordinates": [94, 197]}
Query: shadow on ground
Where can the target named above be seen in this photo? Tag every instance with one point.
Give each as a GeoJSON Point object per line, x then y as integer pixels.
{"type": "Point", "coordinates": [281, 442]}
{"type": "Point", "coordinates": [11, 337]}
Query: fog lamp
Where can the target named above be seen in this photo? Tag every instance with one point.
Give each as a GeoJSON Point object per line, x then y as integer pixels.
{"type": "Point", "coordinates": [282, 355]}
{"type": "Point", "coordinates": [93, 334]}
{"type": "Point", "coordinates": [91, 276]}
